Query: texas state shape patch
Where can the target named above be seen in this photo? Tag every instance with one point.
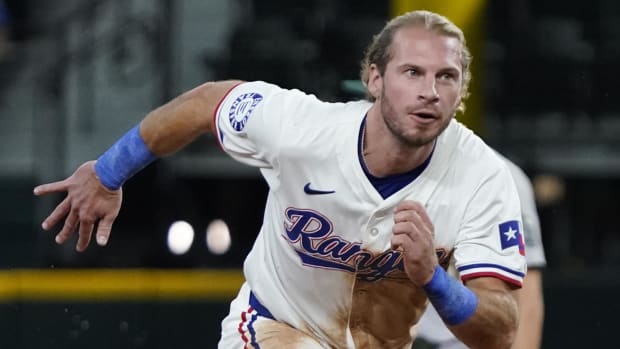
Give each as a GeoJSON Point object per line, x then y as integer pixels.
{"type": "Point", "coordinates": [510, 235]}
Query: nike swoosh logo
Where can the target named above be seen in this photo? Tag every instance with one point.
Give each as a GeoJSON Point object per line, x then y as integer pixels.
{"type": "Point", "coordinates": [311, 191]}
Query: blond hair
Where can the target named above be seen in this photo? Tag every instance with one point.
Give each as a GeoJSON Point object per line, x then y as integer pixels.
{"type": "Point", "coordinates": [379, 52]}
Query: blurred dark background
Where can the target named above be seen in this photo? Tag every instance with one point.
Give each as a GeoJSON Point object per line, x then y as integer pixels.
{"type": "Point", "coordinates": [75, 75]}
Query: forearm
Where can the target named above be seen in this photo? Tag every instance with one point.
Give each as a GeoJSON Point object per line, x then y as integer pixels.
{"type": "Point", "coordinates": [174, 125]}
{"type": "Point", "coordinates": [494, 323]}
{"type": "Point", "coordinates": [483, 314]}
{"type": "Point", "coordinates": [163, 131]}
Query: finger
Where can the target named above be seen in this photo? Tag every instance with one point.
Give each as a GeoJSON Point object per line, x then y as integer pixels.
{"type": "Point", "coordinates": [415, 206]}
{"type": "Point", "coordinates": [104, 229]}
{"type": "Point", "coordinates": [68, 228]}
{"type": "Point", "coordinates": [409, 205]}
{"type": "Point", "coordinates": [417, 233]}
{"type": "Point", "coordinates": [59, 212]}
{"type": "Point", "coordinates": [85, 232]}
{"type": "Point", "coordinates": [407, 216]}
{"type": "Point", "coordinates": [413, 224]}
{"type": "Point", "coordinates": [406, 227]}
{"type": "Point", "coordinates": [424, 216]}
{"type": "Point", "coordinates": [401, 242]}
{"type": "Point", "coordinates": [51, 187]}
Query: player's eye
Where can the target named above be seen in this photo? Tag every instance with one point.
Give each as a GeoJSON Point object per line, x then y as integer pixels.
{"type": "Point", "coordinates": [447, 76]}
{"type": "Point", "coordinates": [412, 72]}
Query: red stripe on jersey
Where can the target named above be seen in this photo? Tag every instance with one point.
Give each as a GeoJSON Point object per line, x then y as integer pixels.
{"type": "Point", "coordinates": [219, 104]}
{"type": "Point", "coordinates": [492, 274]}
{"type": "Point", "coordinates": [240, 328]}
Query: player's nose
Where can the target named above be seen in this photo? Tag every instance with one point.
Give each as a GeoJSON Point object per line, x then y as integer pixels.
{"type": "Point", "coordinates": [428, 91]}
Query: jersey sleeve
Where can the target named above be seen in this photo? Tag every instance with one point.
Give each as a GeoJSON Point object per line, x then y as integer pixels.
{"type": "Point", "coordinates": [534, 251]}
{"type": "Point", "coordinates": [248, 122]}
{"type": "Point", "coordinates": [490, 242]}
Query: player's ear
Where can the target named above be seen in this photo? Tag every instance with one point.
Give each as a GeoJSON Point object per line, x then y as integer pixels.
{"type": "Point", "coordinates": [375, 81]}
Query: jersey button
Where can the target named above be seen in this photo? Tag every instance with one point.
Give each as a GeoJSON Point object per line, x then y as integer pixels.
{"type": "Point", "coordinates": [374, 231]}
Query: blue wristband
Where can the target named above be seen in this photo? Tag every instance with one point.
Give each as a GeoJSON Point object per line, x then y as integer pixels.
{"type": "Point", "coordinates": [124, 159]}
{"type": "Point", "coordinates": [454, 302]}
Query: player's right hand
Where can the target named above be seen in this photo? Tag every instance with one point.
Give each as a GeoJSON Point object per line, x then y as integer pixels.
{"type": "Point", "coordinates": [414, 234]}
{"type": "Point", "coordinates": [87, 203]}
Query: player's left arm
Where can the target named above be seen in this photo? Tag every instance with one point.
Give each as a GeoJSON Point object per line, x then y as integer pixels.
{"type": "Point", "coordinates": [483, 313]}
{"type": "Point", "coordinates": [489, 255]}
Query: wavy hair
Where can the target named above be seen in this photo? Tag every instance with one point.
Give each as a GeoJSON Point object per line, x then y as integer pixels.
{"type": "Point", "coordinates": [379, 50]}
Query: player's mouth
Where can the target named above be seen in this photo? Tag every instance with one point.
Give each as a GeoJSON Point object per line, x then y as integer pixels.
{"type": "Point", "coordinates": [425, 117]}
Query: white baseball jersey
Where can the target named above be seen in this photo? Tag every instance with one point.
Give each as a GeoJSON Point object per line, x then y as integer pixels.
{"type": "Point", "coordinates": [322, 262]}
{"type": "Point", "coordinates": [431, 327]}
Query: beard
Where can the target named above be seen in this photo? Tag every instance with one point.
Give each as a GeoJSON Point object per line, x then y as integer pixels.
{"type": "Point", "coordinates": [404, 135]}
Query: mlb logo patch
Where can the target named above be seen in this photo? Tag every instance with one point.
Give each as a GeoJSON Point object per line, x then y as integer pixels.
{"type": "Point", "coordinates": [510, 235]}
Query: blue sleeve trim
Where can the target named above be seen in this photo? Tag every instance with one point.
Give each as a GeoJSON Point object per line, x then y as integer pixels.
{"type": "Point", "coordinates": [490, 265]}
{"type": "Point", "coordinates": [259, 307]}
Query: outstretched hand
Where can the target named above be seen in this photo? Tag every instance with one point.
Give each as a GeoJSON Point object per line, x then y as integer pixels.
{"type": "Point", "coordinates": [88, 203]}
{"type": "Point", "coordinates": [414, 236]}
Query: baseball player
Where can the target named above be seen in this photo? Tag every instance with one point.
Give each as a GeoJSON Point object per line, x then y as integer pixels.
{"type": "Point", "coordinates": [368, 200]}
{"type": "Point", "coordinates": [431, 328]}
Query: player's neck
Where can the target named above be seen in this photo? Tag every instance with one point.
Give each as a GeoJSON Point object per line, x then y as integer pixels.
{"type": "Point", "coordinates": [385, 155]}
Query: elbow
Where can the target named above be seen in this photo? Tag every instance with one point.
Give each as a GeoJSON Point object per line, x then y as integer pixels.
{"type": "Point", "coordinates": [499, 340]}
{"type": "Point", "coordinates": [506, 338]}
{"type": "Point", "coordinates": [503, 336]}
{"type": "Point", "coordinates": [496, 335]}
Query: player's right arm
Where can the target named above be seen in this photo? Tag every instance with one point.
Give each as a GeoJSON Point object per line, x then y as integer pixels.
{"type": "Point", "coordinates": [94, 192]}
{"type": "Point", "coordinates": [177, 123]}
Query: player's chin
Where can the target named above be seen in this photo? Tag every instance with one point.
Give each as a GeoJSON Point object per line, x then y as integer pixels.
{"type": "Point", "coordinates": [429, 131]}
{"type": "Point", "coordinates": [421, 137]}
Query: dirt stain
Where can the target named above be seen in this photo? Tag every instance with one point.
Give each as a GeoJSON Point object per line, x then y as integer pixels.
{"type": "Point", "coordinates": [272, 334]}
{"type": "Point", "coordinates": [384, 312]}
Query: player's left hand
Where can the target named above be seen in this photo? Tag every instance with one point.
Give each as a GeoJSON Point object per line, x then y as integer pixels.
{"type": "Point", "coordinates": [414, 235]}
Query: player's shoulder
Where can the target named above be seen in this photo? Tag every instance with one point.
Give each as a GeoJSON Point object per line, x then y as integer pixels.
{"type": "Point", "coordinates": [299, 105]}
{"type": "Point", "coordinates": [520, 177]}
{"type": "Point", "coordinates": [470, 151]}
{"type": "Point", "coordinates": [301, 119]}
